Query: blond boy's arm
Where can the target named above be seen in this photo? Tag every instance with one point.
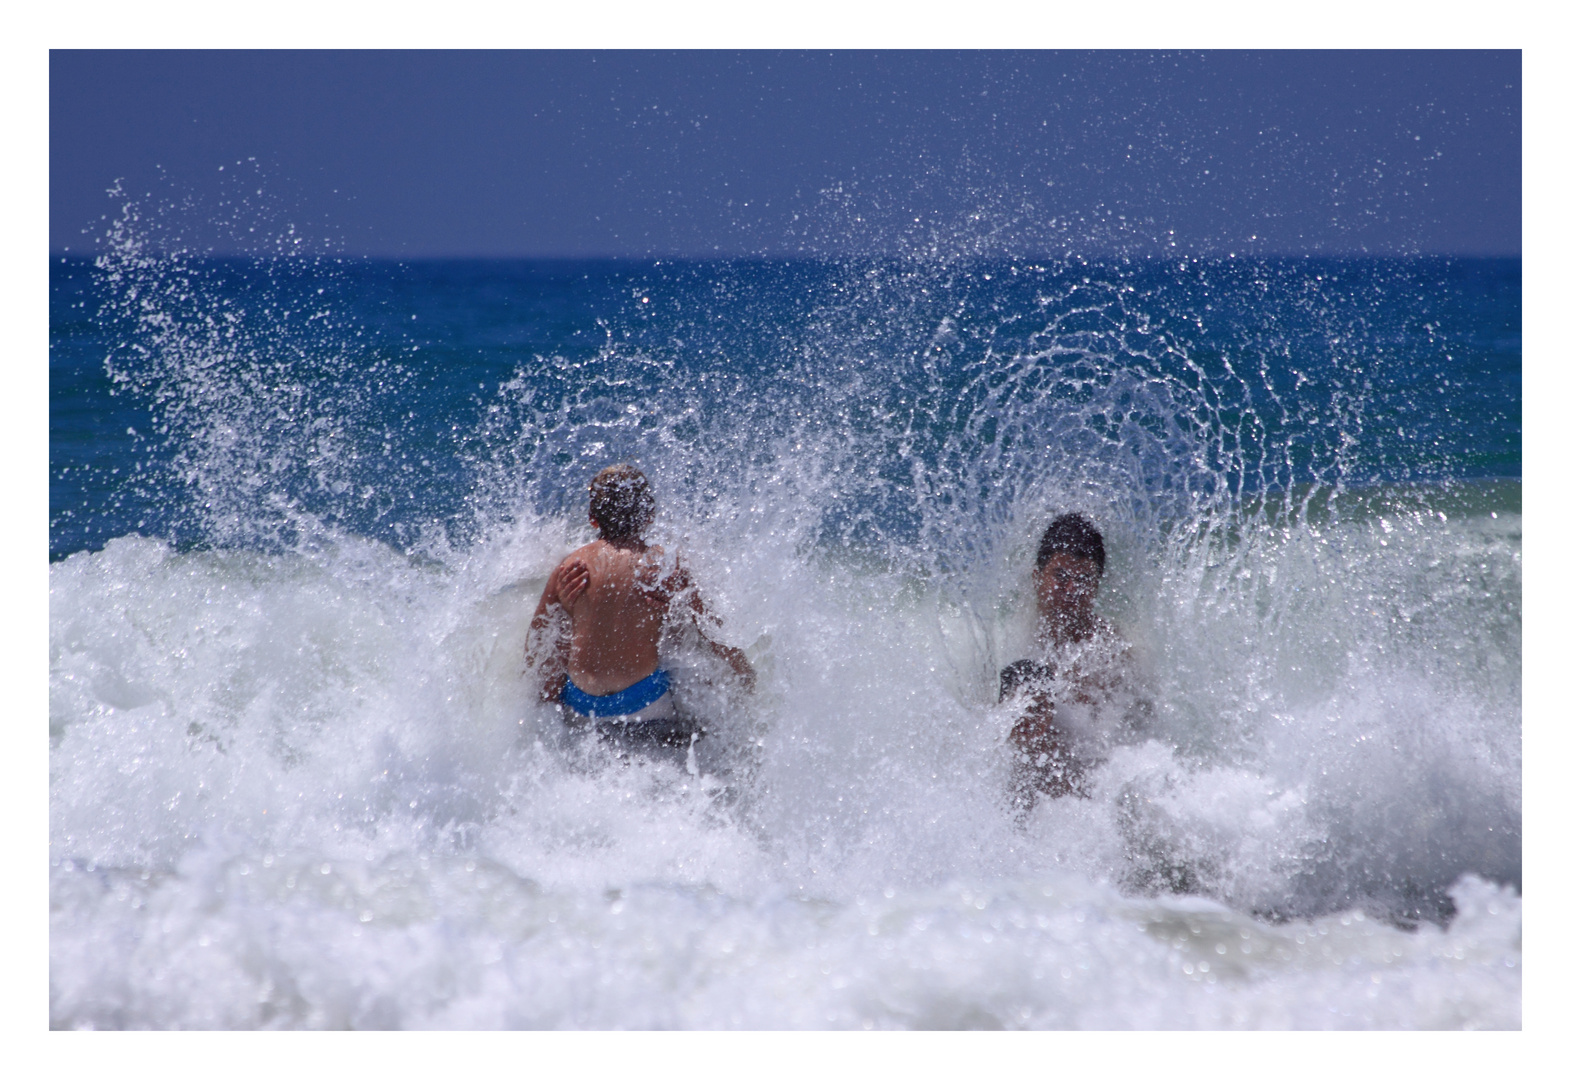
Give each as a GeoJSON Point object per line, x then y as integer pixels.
{"type": "Point", "coordinates": [687, 595]}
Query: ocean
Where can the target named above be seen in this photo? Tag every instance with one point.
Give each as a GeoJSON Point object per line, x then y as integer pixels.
{"type": "Point", "coordinates": [302, 506]}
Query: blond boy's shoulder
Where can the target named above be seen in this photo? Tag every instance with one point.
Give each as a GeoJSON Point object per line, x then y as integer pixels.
{"type": "Point", "coordinates": [582, 553]}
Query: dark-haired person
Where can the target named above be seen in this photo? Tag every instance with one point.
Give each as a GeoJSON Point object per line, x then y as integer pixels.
{"type": "Point", "coordinates": [1068, 693]}
{"type": "Point", "coordinates": [596, 633]}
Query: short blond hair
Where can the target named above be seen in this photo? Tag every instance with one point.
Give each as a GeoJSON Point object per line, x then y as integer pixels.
{"type": "Point", "coordinates": [620, 502]}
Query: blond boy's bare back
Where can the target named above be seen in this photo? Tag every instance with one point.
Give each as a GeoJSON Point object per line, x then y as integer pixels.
{"type": "Point", "coordinates": [605, 609]}
{"type": "Point", "coordinates": [618, 598]}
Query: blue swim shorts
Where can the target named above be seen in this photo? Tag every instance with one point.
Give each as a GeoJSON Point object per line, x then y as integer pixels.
{"type": "Point", "coordinates": [635, 699]}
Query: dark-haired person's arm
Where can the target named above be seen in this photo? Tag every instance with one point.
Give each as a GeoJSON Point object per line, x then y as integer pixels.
{"type": "Point", "coordinates": [1041, 745]}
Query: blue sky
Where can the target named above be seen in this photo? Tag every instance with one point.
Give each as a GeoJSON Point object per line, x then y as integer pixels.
{"type": "Point", "coordinates": [702, 153]}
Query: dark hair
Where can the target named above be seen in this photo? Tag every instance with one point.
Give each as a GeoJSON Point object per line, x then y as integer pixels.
{"type": "Point", "coordinates": [620, 502]}
{"type": "Point", "coordinates": [1072, 534]}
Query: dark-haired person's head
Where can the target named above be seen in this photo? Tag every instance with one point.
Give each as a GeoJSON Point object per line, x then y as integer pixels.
{"type": "Point", "coordinates": [1072, 534]}
{"type": "Point", "coordinates": [1069, 564]}
{"type": "Point", "coordinates": [621, 505]}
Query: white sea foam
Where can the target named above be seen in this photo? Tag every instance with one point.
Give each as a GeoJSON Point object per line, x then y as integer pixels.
{"type": "Point", "coordinates": [311, 789]}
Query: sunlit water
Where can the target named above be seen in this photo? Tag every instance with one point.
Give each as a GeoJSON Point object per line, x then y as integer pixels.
{"type": "Point", "coordinates": [298, 777]}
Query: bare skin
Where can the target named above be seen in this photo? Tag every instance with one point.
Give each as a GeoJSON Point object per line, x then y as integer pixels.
{"type": "Point", "coordinates": [1066, 589]}
{"type": "Point", "coordinates": [618, 598]}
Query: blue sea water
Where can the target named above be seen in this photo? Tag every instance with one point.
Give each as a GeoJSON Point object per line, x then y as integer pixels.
{"type": "Point", "coordinates": [301, 508]}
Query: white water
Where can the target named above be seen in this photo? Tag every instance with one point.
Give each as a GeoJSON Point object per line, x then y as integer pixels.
{"type": "Point", "coordinates": [310, 789]}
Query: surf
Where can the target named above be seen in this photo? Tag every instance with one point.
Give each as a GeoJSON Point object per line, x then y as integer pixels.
{"type": "Point", "coordinates": [291, 725]}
